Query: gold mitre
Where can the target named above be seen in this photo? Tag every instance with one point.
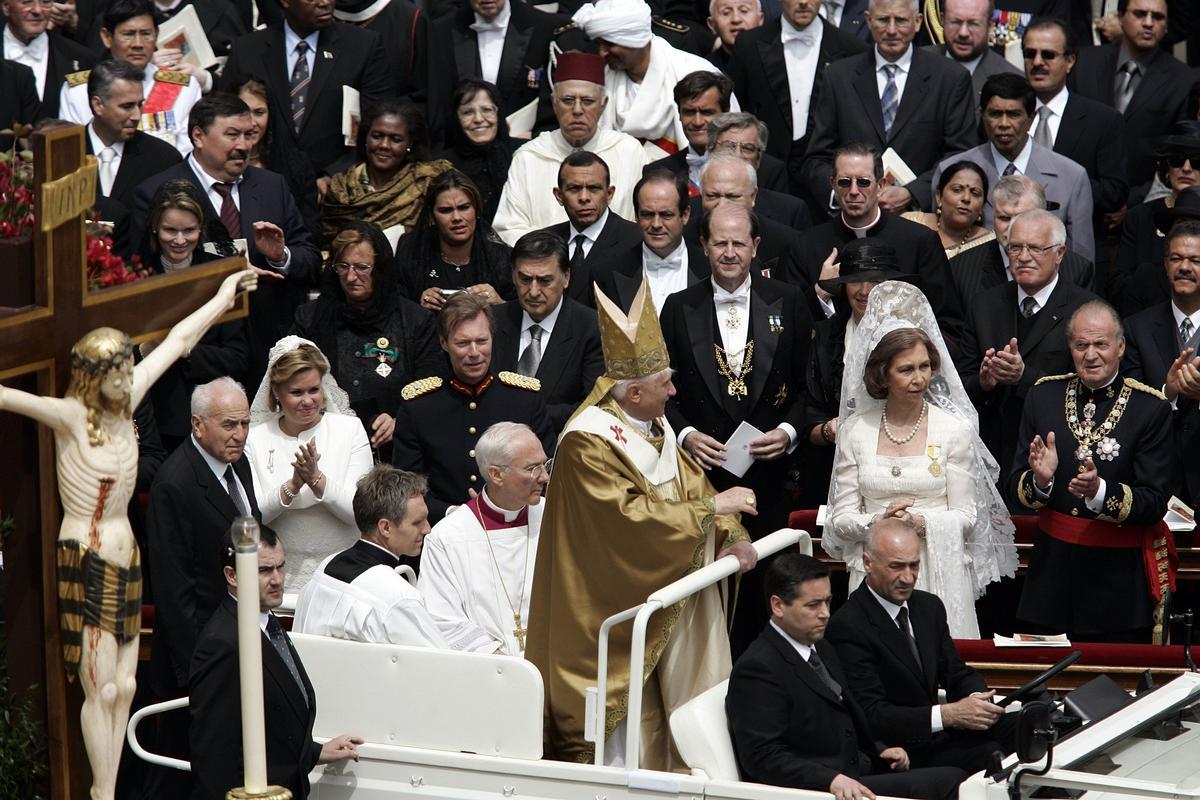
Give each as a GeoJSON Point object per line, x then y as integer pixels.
{"type": "Point", "coordinates": [633, 345]}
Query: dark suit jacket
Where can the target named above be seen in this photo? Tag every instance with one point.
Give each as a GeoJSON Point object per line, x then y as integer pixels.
{"type": "Point", "coordinates": [896, 694]}
{"type": "Point", "coordinates": [264, 195]}
{"type": "Point", "coordinates": [1151, 345]}
{"type": "Point", "coordinates": [991, 323]}
{"type": "Point", "coordinates": [346, 56]}
{"type": "Point", "coordinates": [787, 726]}
{"type": "Point", "coordinates": [1159, 99]}
{"type": "Point", "coordinates": [760, 80]}
{"type": "Point", "coordinates": [66, 56]}
{"type": "Point", "coordinates": [216, 729]}
{"type": "Point", "coordinates": [615, 239]}
{"type": "Point", "coordinates": [18, 97]}
{"type": "Point", "coordinates": [780, 326]}
{"type": "Point", "coordinates": [189, 512]}
{"type": "Point", "coordinates": [570, 363]}
{"type": "Point", "coordinates": [772, 173]}
{"type": "Point", "coordinates": [991, 64]}
{"type": "Point", "coordinates": [623, 280]}
{"type": "Point", "coordinates": [936, 117]}
{"type": "Point", "coordinates": [404, 29]}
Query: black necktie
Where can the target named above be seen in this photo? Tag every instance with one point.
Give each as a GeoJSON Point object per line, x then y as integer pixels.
{"type": "Point", "coordinates": [234, 495]}
{"type": "Point", "coordinates": [1028, 307]}
{"type": "Point", "coordinates": [818, 667]}
{"type": "Point", "coordinates": [902, 623]}
{"type": "Point", "coordinates": [279, 641]}
{"type": "Point", "coordinates": [577, 254]}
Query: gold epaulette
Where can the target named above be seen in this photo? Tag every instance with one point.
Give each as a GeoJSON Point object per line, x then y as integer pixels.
{"type": "Point", "coordinates": [172, 76]}
{"type": "Point", "coordinates": [78, 78]}
{"type": "Point", "coordinates": [1046, 378]}
{"type": "Point", "coordinates": [420, 387]}
{"type": "Point", "coordinates": [570, 26]}
{"type": "Point", "coordinates": [1136, 384]}
{"type": "Point", "coordinates": [520, 381]}
{"type": "Point", "coordinates": [674, 27]}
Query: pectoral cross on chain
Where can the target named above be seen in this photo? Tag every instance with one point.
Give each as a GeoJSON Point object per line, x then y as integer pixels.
{"type": "Point", "coordinates": [519, 632]}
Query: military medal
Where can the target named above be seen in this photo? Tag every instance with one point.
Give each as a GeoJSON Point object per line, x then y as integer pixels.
{"type": "Point", "coordinates": [934, 451]}
{"type": "Point", "coordinates": [733, 320]}
{"type": "Point", "coordinates": [1094, 439]}
{"type": "Point", "coordinates": [1109, 448]}
{"type": "Point", "coordinates": [737, 383]}
{"type": "Point", "coordinates": [775, 323]}
{"type": "Point", "coordinates": [895, 472]}
{"type": "Point", "coordinates": [383, 353]}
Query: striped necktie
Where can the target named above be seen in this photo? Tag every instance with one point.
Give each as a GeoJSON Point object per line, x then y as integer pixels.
{"type": "Point", "coordinates": [890, 99]}
{"type": "Point", "coordinates": [299, 83]}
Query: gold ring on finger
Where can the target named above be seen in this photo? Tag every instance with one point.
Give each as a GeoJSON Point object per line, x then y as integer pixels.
{"type": "Point", "coordinates": [750, 500]}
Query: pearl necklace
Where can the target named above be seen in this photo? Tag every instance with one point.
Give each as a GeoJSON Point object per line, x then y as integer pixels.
{"type": "Point", "coordinates": [887, 429]}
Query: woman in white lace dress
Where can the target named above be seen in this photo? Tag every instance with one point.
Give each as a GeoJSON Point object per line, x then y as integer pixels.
{"type": "Point", "coordinates": [908, 447]}
{"type": "Point", "coordinates": [307, 451]}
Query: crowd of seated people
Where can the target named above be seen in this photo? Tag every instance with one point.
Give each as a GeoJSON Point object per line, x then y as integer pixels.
{"type": "Point", "coordinates": [947, 286]}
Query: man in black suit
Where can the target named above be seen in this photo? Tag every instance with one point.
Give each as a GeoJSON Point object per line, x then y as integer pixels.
{"type": "Point", "coordinates": [744, 135]}
{"type": "Point", "coordinates": [18, 96]}
{"type": "Point", "coordinates": [792, 718]}
{"type": "Point", "coordinates": [1085, 131]}
{"type": "Point", "coordinates": [700, 96]}
{"type": "Point", "coordinates": [405, 30]}
{"type": "Point", "coordinates": [857, 189]}
{"type": "Point", "coordinates": [916, 103]}
{"type": "Point", "coordinates": [289, 701]}
{"type": "Point", "coordinates": [895, 645]}
{"type": "Point", "coordinates": [192, 504]}
{"type": "Point", "coordinates": [506, 42]}
{"type": "Point", "coordinates": [249, 204]}
{"type": "Point", "coordinates": [727, 19]}
{"type": "Point", "coordinates": [1157, 342]}
{"type": "Point", "coordinates": [780, 81]}
{"type": "Point", "coordinates": [564, 351]}
{"type": "Point", "coordinates": [51, 58]}
{"type": "Point", "coordinates": [594, 233]}
{"type": "Point", "coordinates": [761, 330]}
{"type": "Point", "coordinates": [968, 27]}
{"type": "Point", "coordinates": [1014, 332]}
{"type": "Point", "coordinates": [317, 56]}
{"type": "Point", "coordinates": [1156, 94]}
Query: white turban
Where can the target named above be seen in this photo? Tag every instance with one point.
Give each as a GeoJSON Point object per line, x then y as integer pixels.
{"type": "Point", "coordinates": [622, 22]}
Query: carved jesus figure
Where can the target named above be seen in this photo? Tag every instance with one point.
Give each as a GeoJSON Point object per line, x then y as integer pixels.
{"type": "Point", "coordinates": [99, 568]}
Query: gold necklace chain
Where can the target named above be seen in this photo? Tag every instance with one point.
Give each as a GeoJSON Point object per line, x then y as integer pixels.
{"type": "Point", "coordinates": [1088, 437]}
{"type": "Point", "coordinates": [737, 383]}
{"type": "Point", "coordinates": [519, 632]}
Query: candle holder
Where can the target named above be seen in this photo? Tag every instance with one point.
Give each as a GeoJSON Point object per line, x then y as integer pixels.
{"type": "Point", "coordinates": [270, 793]}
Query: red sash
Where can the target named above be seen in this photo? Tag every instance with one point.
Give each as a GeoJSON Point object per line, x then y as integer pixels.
{"type": "Point", "coordinates": [1156, 542]}
{"type": "Point", "coordinates": [162, 97]}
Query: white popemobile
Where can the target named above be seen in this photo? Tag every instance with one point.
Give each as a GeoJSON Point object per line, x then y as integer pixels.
{"type": "Point", "coordinates": [441, 724]}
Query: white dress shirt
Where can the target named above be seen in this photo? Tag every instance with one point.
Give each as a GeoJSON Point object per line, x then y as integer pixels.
{"type": "Point", "coordinates": [665, 275]}
{"type": "Point", "coordinates": [118, 148]}
{"type": "Point", "coordinates": [935, 711]}
{"type": "Point", "coordinates": [1057, 104]}
{"type": "Point", "coordinates": [694, 162]}
{"type": "Point", "coordinates": [490, 38]}
{"type": "Point", "coordinates": [903, 64]}
{"type": "Point", "coordinates": [35, 55]}
{"type": "Point", "coordinates": [803, 649]}
{"type": "Point", "coordinates": [290, 40]}
{"type": "Point", "coordinates": [1040, 297]}
{"type": "Point", "coordinates": [1021, 162]}
{"type": "Point", "coordinates": [590, 234]}
{"type": "Point", "coordinates": [801, 54]}
{"type": "Point", "coordinates": [547, 326]}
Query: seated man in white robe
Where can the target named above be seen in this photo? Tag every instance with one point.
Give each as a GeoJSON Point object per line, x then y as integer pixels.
{"type": "Point", "coordinates": [527, 202]}
{"type": "Point", "coordinates": [477, 566]}
{"type": "Point", "coordinates": [357, 594]}
{"type": "Point", "coordinates": [640, 74]}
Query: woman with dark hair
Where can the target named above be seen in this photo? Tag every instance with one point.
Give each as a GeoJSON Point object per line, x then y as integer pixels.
{"type": "Point", "coordinates": [451, 248]}
{"type": "Point", "coordinates": [387, 184]}
{"type": "Point", "coordinates": [478, 141]}
{"type": "Point", "coordinates": [376, 340]}
{"type": "Point", "coordinates": [277, 153]}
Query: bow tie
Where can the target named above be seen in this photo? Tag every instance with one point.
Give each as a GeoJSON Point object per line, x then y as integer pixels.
{"type": "Point", "coordinates": [739, 295]}
{"type": "Point", "coordinates": [805, 37]}
{"type": "Point", "coordinates": [37, 49]}
{"type": "Point", "coordinates": [674, 261]}
{"type": "Point", "coordinates": [695, 159]}
{"type": "Point", "coordinates": [483, 27]}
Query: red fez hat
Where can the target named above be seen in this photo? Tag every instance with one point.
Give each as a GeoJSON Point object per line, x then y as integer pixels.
{"type": "Point", "coordinates": [576, 66]}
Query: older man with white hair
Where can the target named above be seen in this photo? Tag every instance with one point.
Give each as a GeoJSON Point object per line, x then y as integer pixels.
{"type": "Point", "coordinates": [477, 568]}
{"type": "Point", "coordinates": [640, 73]}
{"type": "Point", "coordinates": [527, 202]}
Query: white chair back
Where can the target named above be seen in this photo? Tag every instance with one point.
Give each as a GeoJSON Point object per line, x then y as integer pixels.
{"type": "Point", "coordinates": [701, 734]}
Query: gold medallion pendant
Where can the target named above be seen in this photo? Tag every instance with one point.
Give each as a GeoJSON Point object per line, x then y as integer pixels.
{"type": "Point", "coordinates": [737, 382]}
{"type": "Point", "coordinates": [934, 451]}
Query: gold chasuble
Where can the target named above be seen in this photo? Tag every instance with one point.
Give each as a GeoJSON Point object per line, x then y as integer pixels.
{"type": "Point", "coordinates": [627, 512]}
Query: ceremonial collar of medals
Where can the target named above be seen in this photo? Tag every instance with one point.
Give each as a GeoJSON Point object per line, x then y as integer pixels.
{"type": "Point", "coordinates": [518, 631]}
{"type": "Point", "coordinates": [737, 383]}
{"type": "Point", "coordinates": [383, 353]}
{"type": "Point", "coordinates": [1090, 435]}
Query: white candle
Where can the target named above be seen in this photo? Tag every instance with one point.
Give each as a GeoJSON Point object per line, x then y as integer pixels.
{"type": "Point", "coordinates": [254, 747]}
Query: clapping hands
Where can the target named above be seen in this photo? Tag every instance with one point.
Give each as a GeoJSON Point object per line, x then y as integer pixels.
{"type": "Point", "coordinates": [1001, 366]}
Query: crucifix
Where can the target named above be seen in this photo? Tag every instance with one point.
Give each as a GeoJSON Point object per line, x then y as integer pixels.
{"type": "Point", "coordinates": [90, 438]}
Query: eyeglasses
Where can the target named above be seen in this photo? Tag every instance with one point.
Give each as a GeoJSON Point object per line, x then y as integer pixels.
{"type": "Point", "coordinates": [1031, 53]}
{"type": "Point", "coordinates": [1035, 250]}
{"type": "Point", "coordinates": [747, 148]}
{"type": "Point", "coordinates": [533, 471]}
{"type": "Point", "coordinates": [487, 112]}
{"type": "Point", "coordinates": [1177, 160]}
{"type": "Point", "coordinates": [132, 36]}
{"type": "Point", "coordinates": [342, 267]}
{"type": "Point", "coordinates": [860, 182]}
{"type": "Point", "coordinates": [571, 100]}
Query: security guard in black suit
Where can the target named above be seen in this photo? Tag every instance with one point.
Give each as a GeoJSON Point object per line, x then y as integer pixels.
{"type": "Point", "coordinates": [441, 418]}
{"type": "Point", "coordinates": [1094, 459]}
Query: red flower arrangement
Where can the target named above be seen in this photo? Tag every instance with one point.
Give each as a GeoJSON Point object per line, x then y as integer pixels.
{"type": "Point", "coordinates": [104, 267]}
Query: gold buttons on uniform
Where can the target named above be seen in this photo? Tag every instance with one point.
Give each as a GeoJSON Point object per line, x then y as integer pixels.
{"type": "Point", "coordinates": [471, 453]}
{"type": "Point", "coordinates": [471, 405]}
{"type": "Point", "coordinates": [471, 429]}
{"type": "Point", "coordinates": [474, 478]}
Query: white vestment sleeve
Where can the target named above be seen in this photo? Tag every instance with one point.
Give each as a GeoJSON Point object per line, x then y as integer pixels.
{"type": "Point", "coordinates": [444, 595]}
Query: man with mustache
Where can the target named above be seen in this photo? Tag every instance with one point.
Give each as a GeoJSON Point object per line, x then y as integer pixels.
{"type": "Point", "coordinates": [1095, 461]}
{"type": "Point", "coordinates": [442, 417]}
{"type": "Point", "coordinates": [968, 27]}
{"type": "Point", "coordinates": [1162, 346]}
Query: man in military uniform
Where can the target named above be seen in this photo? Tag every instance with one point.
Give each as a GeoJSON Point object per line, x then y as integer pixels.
{"type": "Point", "coordinates": [441, 418]}
{"type": "Point", "coordinates": [1095, 461]}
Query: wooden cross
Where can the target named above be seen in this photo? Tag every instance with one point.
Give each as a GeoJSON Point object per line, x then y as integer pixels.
{"type": "Point", "coordinates": [35, 356]}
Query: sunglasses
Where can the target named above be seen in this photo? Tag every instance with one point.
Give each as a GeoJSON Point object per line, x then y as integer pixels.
{"type": "Point", "coordinates": [1031, 53]}
{"type": "Point", "coordinates": [862, 183]}
{"type": "Point", "coordinates": [1177, 160]}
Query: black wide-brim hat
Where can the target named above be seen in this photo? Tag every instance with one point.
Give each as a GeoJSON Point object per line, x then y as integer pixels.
{"type": "Point", "coordinates": [1184, 138]}
{"type": "Point", "coordinates": [1187, 206]}
{"type": "Point", "coordinates": [862, 261]}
